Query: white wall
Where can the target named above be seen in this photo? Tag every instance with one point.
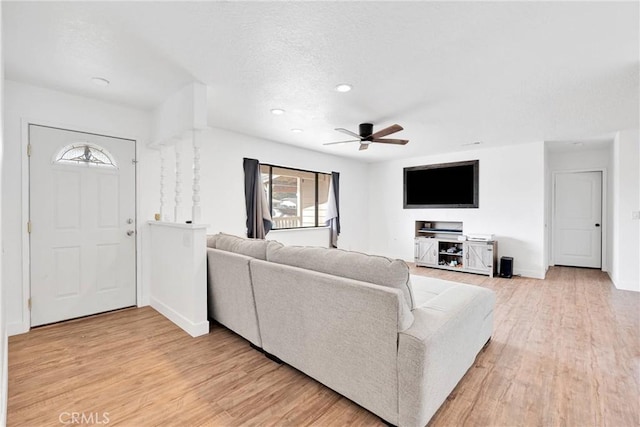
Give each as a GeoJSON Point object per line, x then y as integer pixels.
{"type": "Point", "coordinates": [182, 110]}
{"type": "Point", "coordinates": [585, 160]}
{"type": "Point", "coordinates": [179, 275]}
{"type": "Point", "coordinates": [511, 205]}
{"type": "Point", "coordinates": [613, 223]}
{"type": "Point", "coordinates": [38, 105]}
{"type": "Point", "coordinates": [626, 199]}
{"type": "Point", "coordinates": [4, 348]}
{"type": "Point", "coordinates": [582, 159]}
{"type": "Point", "coordinates": [547, 208]}
{"type": "Point", "coordinates": [223, 205]}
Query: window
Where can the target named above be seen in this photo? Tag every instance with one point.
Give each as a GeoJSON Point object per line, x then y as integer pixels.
{"type": "Point", "coordinates": [297, 198]}
{"type": "Point", "coordinates": [84, 153]}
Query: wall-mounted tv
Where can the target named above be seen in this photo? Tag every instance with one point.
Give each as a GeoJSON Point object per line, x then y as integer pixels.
{"type": "Point", "coordinates": [444, 185]}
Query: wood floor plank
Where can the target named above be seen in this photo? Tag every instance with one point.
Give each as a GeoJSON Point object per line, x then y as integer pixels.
{"type": "Point", "coordinates": [565, 352]}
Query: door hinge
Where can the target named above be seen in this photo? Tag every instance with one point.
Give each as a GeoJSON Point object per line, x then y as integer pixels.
{"type": "Point", "coordinates": [29, 303]}
{"type": "Point", "coordinates": [28, 150]}
{"type": "Point", "coordinates": [29, 226]}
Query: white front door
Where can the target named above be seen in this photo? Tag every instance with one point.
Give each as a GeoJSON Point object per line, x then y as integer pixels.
{"type": "Point", "coordinates": [577, 225]}
{"type": "Point", "coordinates": [82, 212]}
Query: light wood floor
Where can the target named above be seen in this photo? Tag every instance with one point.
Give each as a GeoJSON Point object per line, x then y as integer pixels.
{"type": "Point", "coordinates": [565, 352]}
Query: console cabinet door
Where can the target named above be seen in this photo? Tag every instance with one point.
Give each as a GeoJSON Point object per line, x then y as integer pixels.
{"type": "Point", "coordinates": [479, 257]}
{"type": "Point", "coordinates": [426, 252]}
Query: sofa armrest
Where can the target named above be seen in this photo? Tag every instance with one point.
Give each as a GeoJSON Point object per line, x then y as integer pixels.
{"type": "Point", "coordinates": [230, 293]}
{"type": "Point", "coordinates": [437, 350]}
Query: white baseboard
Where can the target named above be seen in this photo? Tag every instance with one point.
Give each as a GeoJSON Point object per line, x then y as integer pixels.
{"type": "Point", "coordinates": [193, 329]}
{"type": "Point", "coordinates": [625, 285]}
{"type": "Point", "coordinates": [533, 274]}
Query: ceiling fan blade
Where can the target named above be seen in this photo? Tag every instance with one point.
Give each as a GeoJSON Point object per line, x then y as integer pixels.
{"type": "Point", "coordinates": [363, 147]}
{"type": "Point", "coordinates": [387, 131]}
{"type": "Point", "coordinates": [392, 141]}
{"type": "Point", "coordinates": [341, 142]}
{"type": "Point", "coordinates": [348, 132]}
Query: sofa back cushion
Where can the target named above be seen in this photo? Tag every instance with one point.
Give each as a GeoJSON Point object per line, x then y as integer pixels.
{"type": "Point", "coordinates": [339, 331]}
{"type": "Point", "coordinates": [255, 248]}
{"type": "Point", "coordinates": [374, 269]}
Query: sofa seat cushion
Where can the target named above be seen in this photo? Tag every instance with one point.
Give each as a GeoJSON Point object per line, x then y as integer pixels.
{"type": "Point", "coordinates": [374, 269]}
{"type": "Point", "coordinates": [441, 295]}
{"type": "Point", "coordinates": [255, 248]}
{"type": "Point", "coordinates": [426, 288]}
{"type": "Point", "coordinates": [448, 332]}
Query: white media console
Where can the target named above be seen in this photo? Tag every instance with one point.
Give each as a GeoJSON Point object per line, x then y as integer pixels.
{"type": "Point", "coordinates": [439, 244]}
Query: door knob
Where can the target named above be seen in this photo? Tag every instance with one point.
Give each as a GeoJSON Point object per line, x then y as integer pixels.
{"type": "Point", "coordinates": [597, 225]}
{"type": "Point", "coordinates": [130, 232]}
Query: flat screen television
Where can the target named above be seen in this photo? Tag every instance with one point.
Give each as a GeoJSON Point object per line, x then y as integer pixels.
{"type": "Point", "coordinates": [444, 185]}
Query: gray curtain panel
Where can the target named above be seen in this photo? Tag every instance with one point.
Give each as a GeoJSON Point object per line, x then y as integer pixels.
{"type": "Point", "coordinates": [333, 209]}
{"type": "Point", "coordinates": [258, 215]}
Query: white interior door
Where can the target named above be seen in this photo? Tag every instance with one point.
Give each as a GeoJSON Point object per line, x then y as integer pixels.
{"type": "Point", "coordinates": [82, 212]}
{"type": "Point", "coordinates": [577, 225]}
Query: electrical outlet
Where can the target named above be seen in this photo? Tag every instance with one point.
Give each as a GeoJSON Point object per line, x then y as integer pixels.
{"type": "Point", "coordinates": [635, 215]}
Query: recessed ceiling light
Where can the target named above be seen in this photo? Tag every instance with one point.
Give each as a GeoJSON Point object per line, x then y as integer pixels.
{"type": "Point", "coordinates": [344, 87]}
{"type": "Point", "coordinates": [296, 130]}
{"type": "Point", "coordinates": [100, 81]}
{"type": "Point", "coordinates": [277, 111]}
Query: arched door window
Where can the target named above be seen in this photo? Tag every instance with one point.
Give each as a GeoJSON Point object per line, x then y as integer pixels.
{"type": "Point", "coordinates": [80, 153]}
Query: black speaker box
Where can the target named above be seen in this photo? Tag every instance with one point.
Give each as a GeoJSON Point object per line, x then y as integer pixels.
{"type": "Point", "coordinates": [506, 267]}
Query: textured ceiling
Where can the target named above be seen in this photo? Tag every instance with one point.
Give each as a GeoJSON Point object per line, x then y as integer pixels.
{"type": "Point", "coordinates": [450, 72]}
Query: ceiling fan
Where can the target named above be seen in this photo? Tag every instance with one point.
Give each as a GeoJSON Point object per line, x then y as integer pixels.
{"type": "Point", "coordinates": [367, 136]}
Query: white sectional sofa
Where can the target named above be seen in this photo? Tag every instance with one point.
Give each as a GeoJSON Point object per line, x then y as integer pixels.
{"type": "Point", "coordinates": [394, 343]}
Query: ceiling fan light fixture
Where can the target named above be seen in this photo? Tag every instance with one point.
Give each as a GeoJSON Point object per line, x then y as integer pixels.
{"type": "Point", "coordinates": [343, 87]}
{"type": "Point", "coordinates": [277, 111]}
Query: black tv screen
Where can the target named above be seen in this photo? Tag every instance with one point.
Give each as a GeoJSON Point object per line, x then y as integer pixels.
{"type": "Point", "coordinates": [444, 185]}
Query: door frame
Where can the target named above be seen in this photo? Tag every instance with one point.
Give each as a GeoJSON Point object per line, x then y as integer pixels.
{"type": "Point", "coordinates": [25, 325]}
{"type": "Point", "coordinates": [604, 261]}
